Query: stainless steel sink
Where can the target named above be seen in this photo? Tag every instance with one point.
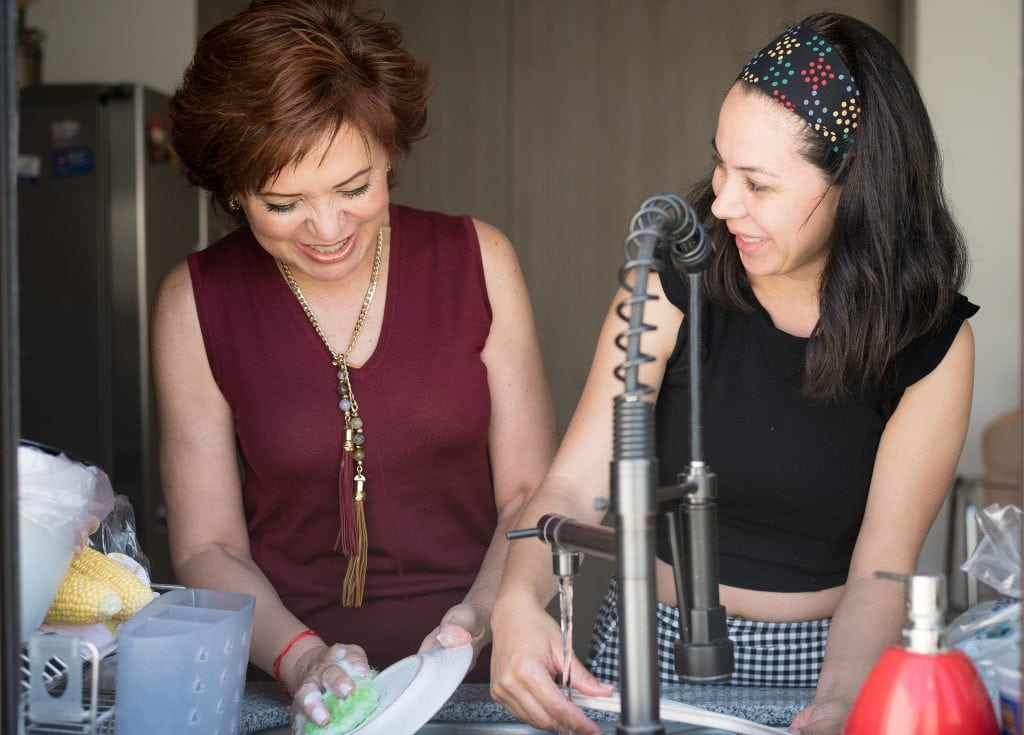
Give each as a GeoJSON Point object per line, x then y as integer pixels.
{"type": "Point", "coordinates": [478, 728]}
{"type": "Point", "coordinates": [518, 728]}
{"type": "Point", "coordinates": [458, 728]}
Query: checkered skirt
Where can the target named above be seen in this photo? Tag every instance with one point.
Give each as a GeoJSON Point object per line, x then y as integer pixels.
{"type": "Point", "coordinates": [767, 654]}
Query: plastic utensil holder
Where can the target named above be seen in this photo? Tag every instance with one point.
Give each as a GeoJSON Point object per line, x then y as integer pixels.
{"type": "Point", "coordinates": [181, 664]}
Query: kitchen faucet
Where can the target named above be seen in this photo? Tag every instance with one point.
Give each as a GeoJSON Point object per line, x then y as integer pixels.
{"type": "Point", "coordinates": [664, 229]}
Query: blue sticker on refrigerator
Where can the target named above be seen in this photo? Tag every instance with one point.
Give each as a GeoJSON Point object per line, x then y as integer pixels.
{"type": "Point", "coordinates": [71, 161]}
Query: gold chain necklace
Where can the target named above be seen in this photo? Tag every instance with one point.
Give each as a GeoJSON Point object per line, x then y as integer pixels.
{"type": "Point", "coordinates": [351, 539]}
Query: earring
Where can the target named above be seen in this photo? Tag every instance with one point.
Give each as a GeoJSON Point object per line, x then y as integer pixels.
{"type": "Point", "coordinates": [389, 167]}
{"type": "Point", "coordinates": [233, 204]}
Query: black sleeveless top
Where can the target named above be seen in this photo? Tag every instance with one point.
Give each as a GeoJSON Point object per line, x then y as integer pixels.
{"type": "Point", "coordinates": [793, 472]}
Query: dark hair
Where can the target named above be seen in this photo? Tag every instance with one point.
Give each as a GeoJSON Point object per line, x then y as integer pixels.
{"type": "Point", "coordinates": [269, 84]}
{"type": "Point", "coordinates": [896, 257]}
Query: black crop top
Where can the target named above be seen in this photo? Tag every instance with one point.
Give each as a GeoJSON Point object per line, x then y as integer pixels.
{"type": "Point", "coordinates": [793, 473]}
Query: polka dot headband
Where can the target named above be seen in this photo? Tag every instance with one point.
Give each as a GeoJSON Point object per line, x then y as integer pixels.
{"type": "Point", "coordinates": [802, 71]}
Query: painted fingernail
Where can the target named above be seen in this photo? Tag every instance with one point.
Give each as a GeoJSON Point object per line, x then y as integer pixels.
{"type": "Point", "coordinates": [321, 715]}
{"type": "Point", "coordinates": [310, 698]}
{"type": "Point", "coordinates": [340, 653]}
{"type": "Point", "coordinates": [354, 668]}
{"type": "Point", "coordinates": [345, 688]}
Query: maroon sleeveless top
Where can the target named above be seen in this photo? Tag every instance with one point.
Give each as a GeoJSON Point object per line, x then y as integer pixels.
{"type": "Point", "coordinates": [424, 397]}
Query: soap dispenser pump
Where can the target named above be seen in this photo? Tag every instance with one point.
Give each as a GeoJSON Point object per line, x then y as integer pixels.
{"type": "Point", "coordinates": [922, 687]}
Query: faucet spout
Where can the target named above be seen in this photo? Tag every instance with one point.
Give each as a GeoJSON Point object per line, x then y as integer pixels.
{"type": "Point", "coordinates": [566, 535]}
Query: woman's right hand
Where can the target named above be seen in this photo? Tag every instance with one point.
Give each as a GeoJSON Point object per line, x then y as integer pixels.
{"type": "Point", "coordinates": [526, 656]}
{"type": "Point", "coordinates": [319, 670]}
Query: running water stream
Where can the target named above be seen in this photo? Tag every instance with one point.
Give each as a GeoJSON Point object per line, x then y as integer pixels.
{"type": "Point", "coordinates": [565, 608]}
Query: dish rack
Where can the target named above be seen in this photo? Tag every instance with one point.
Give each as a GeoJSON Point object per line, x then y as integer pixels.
{"type": "Point", "coordinates": [68, 683]}
{"type": "Point", "coordinates": [67, 687]}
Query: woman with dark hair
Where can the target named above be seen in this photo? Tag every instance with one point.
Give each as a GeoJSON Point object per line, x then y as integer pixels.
{"type": "Point", "coordinates": [838, 370]}
{"type": "Point", "coordinates": [352, 405]}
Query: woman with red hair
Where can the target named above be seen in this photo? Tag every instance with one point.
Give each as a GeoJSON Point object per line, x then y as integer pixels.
{"type": "Point", "coordinates": [352, 404]}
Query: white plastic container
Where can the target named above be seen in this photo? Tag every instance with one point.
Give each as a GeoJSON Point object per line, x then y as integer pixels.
{"type": "Point", "coordinates": [44, 560]}
{"type": "Point", "coordinates": [181, 664]}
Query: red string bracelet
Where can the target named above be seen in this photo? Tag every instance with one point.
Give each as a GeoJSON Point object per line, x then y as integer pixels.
{"type": "Point", "coordinates": [288, 647]}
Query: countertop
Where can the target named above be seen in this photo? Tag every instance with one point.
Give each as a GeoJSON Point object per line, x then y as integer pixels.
{"type": "Point", "coordinates": [264, 707]}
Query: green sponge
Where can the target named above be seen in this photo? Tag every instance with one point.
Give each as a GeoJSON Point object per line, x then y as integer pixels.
{"type": "Point", "coordinates": [347, 713]}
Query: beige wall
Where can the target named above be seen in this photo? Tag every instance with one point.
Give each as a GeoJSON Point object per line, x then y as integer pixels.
{"type": "Point", "coordinates": [968, 62]}
{"type": "Point", "coordinates": [975, 101]}
{"type": "Point", "coordinates": [147, 41]}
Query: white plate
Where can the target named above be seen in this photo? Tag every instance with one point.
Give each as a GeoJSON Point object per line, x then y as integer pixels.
{"type": "Point", "coordinates": [412, 690]}
{"type": "Point", "coordinates": [671, 711]}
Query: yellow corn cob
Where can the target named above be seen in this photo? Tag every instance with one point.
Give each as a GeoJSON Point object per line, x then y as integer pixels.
{"type": "Point", "coordinates": [134, 593]}
{"type": "Point", "coordinates": [83, 599]}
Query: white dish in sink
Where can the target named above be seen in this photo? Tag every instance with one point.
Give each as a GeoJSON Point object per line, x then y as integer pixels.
{"type": "Point", "coordinates": [412, 690]}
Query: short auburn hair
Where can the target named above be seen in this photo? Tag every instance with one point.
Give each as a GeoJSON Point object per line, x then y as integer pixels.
{"type": "Point", "coordinates": [270, 84]}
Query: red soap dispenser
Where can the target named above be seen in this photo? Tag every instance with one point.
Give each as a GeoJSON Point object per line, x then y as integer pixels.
{"type": "Point", "coordinates": [923, 687]}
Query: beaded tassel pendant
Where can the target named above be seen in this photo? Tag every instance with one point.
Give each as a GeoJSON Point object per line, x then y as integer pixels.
{"type": "Point", "coordinates": [352, 541]}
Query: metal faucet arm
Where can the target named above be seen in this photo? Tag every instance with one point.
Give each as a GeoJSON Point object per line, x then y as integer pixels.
{"type": "Point", "coordinates": [664, 223]}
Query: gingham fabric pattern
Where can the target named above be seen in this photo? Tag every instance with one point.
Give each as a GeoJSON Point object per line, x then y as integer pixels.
{"type": "Point", "coordinates": [767, 654]}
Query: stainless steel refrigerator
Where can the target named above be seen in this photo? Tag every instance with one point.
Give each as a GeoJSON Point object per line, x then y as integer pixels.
{"type": "Point", "coordinates": [104, 212]}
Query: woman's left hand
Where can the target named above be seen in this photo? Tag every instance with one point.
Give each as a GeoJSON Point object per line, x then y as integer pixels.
{"type": "Point", "coordinates": [822, 717]}
{"type": "Point", "coordinates": [467, 622]}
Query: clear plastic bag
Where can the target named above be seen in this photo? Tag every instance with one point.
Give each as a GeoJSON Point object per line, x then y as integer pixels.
{"type": "Point", "coordinates": [996, 559]}
{"type": "Point", "coordinates": [117, 533]}
{"type": "Point", "coordinates": [990, 620]}
{"type": "Point", "coordinates": [61, 502]}
{"type": "Point", "coordinates": [66, 497]}
{"type": "Point", "coordinates": [989, 633]}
